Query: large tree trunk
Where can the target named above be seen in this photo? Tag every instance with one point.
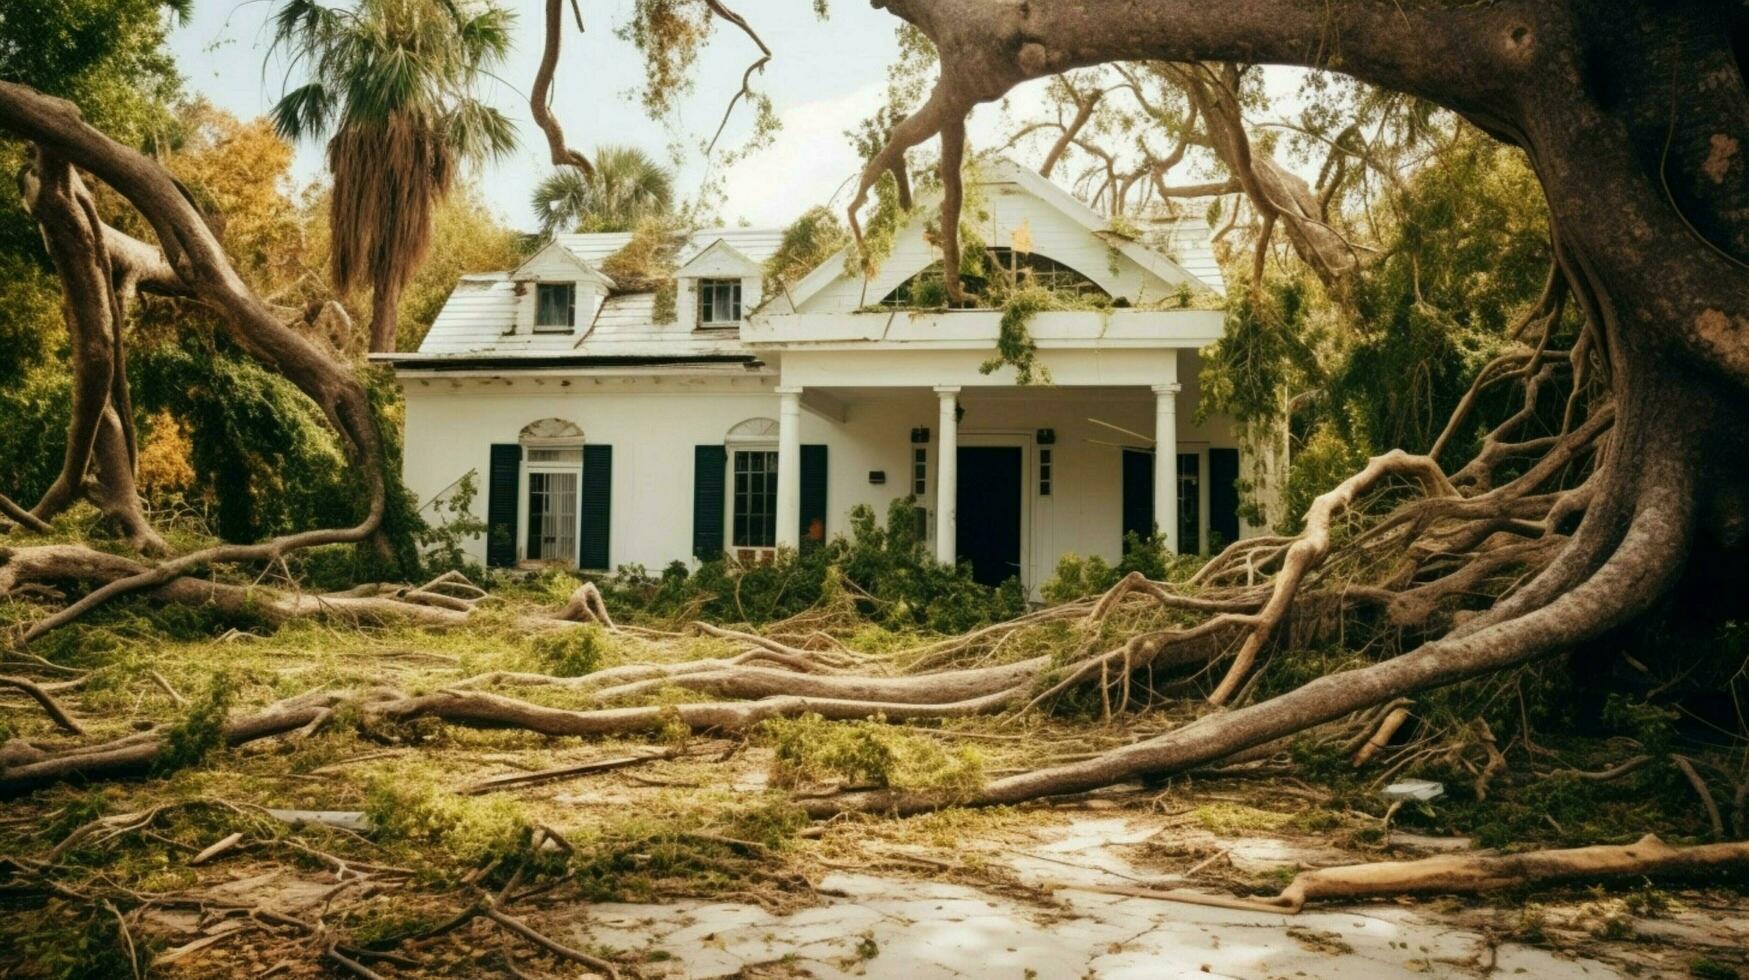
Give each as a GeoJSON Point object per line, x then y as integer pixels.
{"type": "Point", "coordinates": [1635, 116]}
{"type": "Point", "coordinates": [100, 265]}
{"type": "Point", "coordinates": [384, 316]}
{"type": "Point", "coordinates": [100, 456]}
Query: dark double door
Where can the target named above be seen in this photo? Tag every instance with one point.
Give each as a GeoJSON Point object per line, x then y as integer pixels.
{"type": "Point", "coordinates": [988, 511]}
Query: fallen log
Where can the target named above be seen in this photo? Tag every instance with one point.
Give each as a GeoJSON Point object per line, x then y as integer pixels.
{"type": "Point", "coordinates": [1465, 874]}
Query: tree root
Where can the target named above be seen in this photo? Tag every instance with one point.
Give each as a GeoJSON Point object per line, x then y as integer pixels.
{"type": "Point", "coordinates": [47, 700]}
{"type": "Point", "coordinates": [1470, 873]}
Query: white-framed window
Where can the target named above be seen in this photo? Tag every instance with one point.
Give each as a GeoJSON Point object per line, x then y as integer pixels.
{"type": "Point", "coordinates": [1044, 471]}
{"type": "Point", "coordinates": [555, 477]}
{"type": "Point", "coordinates": [555, 307]}
{"type": "Point", "coordinates": [919, 471]}
{"type": "Point", "coordinates": [753, 512]}
{"type": "Point", "coordinates": [552, 485]}
{"type": "Point", "coordinates": [719, 302]}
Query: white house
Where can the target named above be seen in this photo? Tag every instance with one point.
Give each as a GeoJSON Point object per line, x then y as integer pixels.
{"type": "Point", "coordinates": [602, 436]}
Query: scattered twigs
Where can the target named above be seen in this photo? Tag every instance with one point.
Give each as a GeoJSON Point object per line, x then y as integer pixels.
{"type": "Point", "coordinates": [349, 964]}
{"type": "Point", "coordinates": [175, 695]}
{"type": "Point", "coordinates": [489, 908]}
{"type": "Point", "coordinates": [218, 848]}
{"type": "Point", "coordinates": [521, 779]}
{"type": "Point", "coordinates": [1382, 736]}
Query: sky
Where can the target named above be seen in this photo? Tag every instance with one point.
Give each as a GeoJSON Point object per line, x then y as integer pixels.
{"type": "Point", "coordinates": [825, 77]}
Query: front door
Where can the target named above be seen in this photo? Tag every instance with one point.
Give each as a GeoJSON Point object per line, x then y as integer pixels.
{"type": "Point", "coordinates": [988, 511]}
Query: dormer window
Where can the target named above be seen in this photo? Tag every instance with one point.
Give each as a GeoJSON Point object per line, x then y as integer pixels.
{"type": "Point", "coordinates": [719, 302]}
{"type": "Point", "coordinates": [555, 307]}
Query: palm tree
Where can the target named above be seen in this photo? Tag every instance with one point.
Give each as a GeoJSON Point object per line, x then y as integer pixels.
{"type": "Point", "coordinates": [390, 84]}
{"type": "Point", "coordinates": [626, 188]}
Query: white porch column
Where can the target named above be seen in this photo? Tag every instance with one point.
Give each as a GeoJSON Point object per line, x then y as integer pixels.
{"type": "Point", "coordinates": [947, 475]}
{"type": "Point", "coordinates": [789, 468]}
{"type": "Point", "coordinates": [1166, 463]}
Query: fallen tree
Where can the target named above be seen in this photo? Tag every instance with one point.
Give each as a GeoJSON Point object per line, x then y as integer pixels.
{"type": "Point", "coordinates": [1633, 116]}
{"type": "Point", "coordinates": [101, 269]}
{"type": "Point", "coordinates": [1579, 514]}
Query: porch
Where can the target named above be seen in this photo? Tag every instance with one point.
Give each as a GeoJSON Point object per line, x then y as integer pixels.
{"type": "Point", "coordinates": [1011, 477]}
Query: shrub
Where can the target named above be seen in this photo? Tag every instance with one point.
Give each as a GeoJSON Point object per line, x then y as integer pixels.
{"type": "Point", "coordinates": [882, 572]}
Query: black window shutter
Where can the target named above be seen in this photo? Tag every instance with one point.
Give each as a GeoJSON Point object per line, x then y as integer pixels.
{"type": "Point", "coordinates": [1224, 496]}
{"type": "Point", "coordinates": [502, 482]}
{"type": "Point", "coordinates": [1138, 495]}
{"type": "Point", "coordinates": [597, 506]}
{"type": "Point", "coordinates": [813, 502]}
{"type": "Point", "coordinates": [708, 470]}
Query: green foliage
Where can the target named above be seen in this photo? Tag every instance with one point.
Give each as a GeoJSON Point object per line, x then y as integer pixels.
{"type": "Point", "coordinates": [627, 188]}
{"type": "Point", "coordinates": [1264, 350]}
{"type": "Point", "coordinates": [30, 320]}
{"type": "Point", "coordinates": [201, 729]}
{"type": "Point", "coordinates": [414, 59]}
{"type": "Point", "coordinates": [810, 750]}
{"type": "Point", "coordinates": [1076, 576]}
{"type": "Point", "coordinates": [894, 578]}
{"type": "Point", "coordinates": [273, 463]}
{"type": "Point", "coordinates": [647, 262]}
{"type": "Point", "coordinates": [34, 414]}
{"type": "Point", "coordinates": [268, 460]}
{"type": "Point", "coordinates": [572, 652]}
{"type": "Point", "coordinates": [71, 941]}
{"type": "Point", "coordinates": [1465, 250]}
{"type": "Point", "coordinates": [1324, 459]}
{"type": "Point", "coordinates": [471, 832]}
{"type": "Point", "coordinates": [1014, 345]}
{"type": "Point", "coordinates": [442, 543]}
{"type": "Point", "coordinates": [808, 241]}
{"type": "Point", "coordinates": [880, 231]}
{"type": "Point", "coordinates": [698, 846]}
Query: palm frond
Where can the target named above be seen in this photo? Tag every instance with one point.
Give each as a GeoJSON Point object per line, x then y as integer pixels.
{"type": "Point", "coordinates": [477, 131]}
{"type": "Point", "coordinates": [304, 112]}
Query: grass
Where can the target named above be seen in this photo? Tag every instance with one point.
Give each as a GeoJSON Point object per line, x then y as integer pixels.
{"type": "Point", "coordinates": [697, 825]}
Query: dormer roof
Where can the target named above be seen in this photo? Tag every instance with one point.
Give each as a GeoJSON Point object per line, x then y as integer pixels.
{"type": "Point", "coordinates": [719, 258]}
{"type": "Point", "coordinates": [553, 255]}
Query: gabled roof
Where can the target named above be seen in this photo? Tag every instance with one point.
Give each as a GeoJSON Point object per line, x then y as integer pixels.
{"type": "Point", "coordinates": [757, 244]}
{"type": "Point", "coordinates": [718, 258]}
{"type": "Point", "coordinates": [554, 250]}
{"type": "Point", "coordinates": [1155, 261]}
{"type": "Point", "coordinates": [1002, 170]}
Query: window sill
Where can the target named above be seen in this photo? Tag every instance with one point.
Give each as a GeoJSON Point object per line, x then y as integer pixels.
{"type": "Point", "coordinates": [749, 555]}
{"type": "Point", "coordinates": [554, 330]}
